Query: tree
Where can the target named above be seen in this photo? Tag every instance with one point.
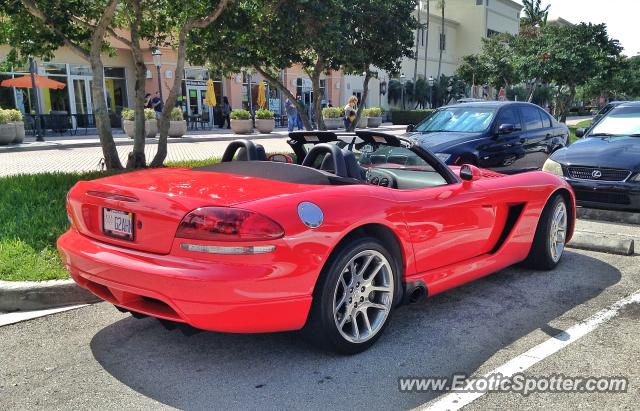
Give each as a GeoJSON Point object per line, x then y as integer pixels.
{"type": "Point", "coordinates": [39, 27]}
{"type": "Point", "coordinates": [426, 41]}
{"type": "Point", "coordinates": [534, 14]}
{"type": "Point", "coordinates": [381, 34]}
{"type": "Point", "coordinates": [498, 61]}
{"type": "Point", "coordinates": [473, 70]}
{"type": "Point", "coordinates": [442, 38]}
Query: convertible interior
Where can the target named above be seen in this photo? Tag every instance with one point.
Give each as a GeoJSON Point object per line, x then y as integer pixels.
{"type": "Point", "coordinates": [324, 158]}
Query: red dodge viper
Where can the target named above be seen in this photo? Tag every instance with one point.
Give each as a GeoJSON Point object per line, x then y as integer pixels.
{"type": "Point", "coordinates": [330, 243]}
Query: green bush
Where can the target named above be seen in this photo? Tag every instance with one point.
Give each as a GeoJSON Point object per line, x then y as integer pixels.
{"type": "Point", "coordinates": [14, 115]}
{"type": "Point", "coordinates": [406, 117]}
{"type": "Point", "coordinates": [372, 112]}
{"type": "Point", "coordinates": [176, 114]}
{"type": "Point", "coordinates": [130, 115]}
{"type": "Point", "coordinates": [263, 114]}
{"type": "Point", "coordinates": [332, 112]}
{"type": "Point", "coordinates": [4, 116]}
{"type": "Point", "coordinates": [239, 114]}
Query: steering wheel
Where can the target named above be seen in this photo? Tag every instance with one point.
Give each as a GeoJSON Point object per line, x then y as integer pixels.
{"type": "Point", "coordinates": [335, 155]}
{"type": "Point", "coordinates": [248, 151]}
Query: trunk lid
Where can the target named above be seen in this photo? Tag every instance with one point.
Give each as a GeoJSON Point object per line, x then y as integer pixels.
{"type": "Point", "coordinates": [159, 200]}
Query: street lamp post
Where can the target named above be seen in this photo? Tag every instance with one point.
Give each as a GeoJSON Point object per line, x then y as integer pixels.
{"type": "Point", "coordinates": [157, 54]}
{"type": "Point", "coordinates": [431, 83]}
{"type": "Point", "coordinates": [36, 105]}
{"type": "Point", "coordinates": [402, 79]}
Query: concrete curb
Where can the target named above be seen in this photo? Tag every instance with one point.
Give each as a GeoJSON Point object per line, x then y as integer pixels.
{"type": "Point", "coordinates": [34, 295]}
{"type": "Point", "coordinates": [602, 243]}
{"type": "Point", "coordinates": [609, 216]}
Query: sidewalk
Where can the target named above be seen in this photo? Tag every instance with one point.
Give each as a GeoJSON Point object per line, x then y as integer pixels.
{"type": "Point", "coordinates": [64, 142]}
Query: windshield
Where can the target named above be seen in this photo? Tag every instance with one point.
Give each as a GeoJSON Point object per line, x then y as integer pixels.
{"type": "Point", "coordinates": [623, 121]}
{"type": "Point", "coordinates": [459, 119]}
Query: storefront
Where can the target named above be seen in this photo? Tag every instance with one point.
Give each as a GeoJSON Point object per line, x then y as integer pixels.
{"type": "Point", "coordinates": [194, 95]}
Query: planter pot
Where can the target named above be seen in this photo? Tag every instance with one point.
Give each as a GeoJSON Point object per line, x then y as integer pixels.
{"type": "Point", "coordinates": [7, 133]}
{"type": "Point", "coordinates": [177, 128]}
{"type": "Point", "coordinates": [265, 126]}
{"type": "Point", "coordinates": [374, 122]}
{"type": "Point", "coordinates": [150, 127]}
{"type": "Point", "coordinates": [363, 122]}
{"type": "Point", "coordinates": [242, 126]}
{"type": "Point", "coordinates": [128, 127]}
{"type": "Point", "coordinates": [333, 123]}
{"type": "Point", "coordinates": [19, 132]}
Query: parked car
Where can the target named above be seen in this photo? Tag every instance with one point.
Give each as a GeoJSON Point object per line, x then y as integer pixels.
{"type": "Point", "coordinates": [502, 136]}
{"type": "Point", "coordinates": [603, 167]}
{"type": "Point", "coordinates": [330, 245]}
{"type": "Point", "coordinates": [604, 111]}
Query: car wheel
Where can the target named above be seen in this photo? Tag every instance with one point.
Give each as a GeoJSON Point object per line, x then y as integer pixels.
{"type": "Point", "coordinates": [354, 297]}
{"type": "Point", "coordinates": [549, 241]}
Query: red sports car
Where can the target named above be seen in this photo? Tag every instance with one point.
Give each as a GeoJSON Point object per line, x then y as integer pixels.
{"type": "Point", "coordinates": [331, 245]}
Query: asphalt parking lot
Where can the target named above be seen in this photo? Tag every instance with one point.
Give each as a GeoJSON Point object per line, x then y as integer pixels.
{"type": "Point", "coordinates": [96, 357]}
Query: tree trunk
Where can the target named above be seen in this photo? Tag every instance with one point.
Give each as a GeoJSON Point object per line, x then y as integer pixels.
{"type": "Point", "coordinates": [137, 157]}
{"type": "Point", "coordinates": [284, 90]}
{"type": "Point", "coordinates": [415, 62]}
{"type": "Point", "coordinates": [317, 93]}
{"type": "Point", "coordinates": [365, 92]}
{"type": "Point", "coordinates": [442, 5]}
{"type": "Point", "coordinates": [426, 44]}
{"type": "Point", "coordinates": [165, 119]}
{"type": "Point", "coordinates": [533, 91]}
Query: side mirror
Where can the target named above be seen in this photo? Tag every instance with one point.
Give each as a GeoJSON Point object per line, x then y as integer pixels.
{"type": "Point", "coordinates": [508, 128]}
{"type": "Point", "coordinates": [280, 158]}
{"type": "Point", "coordinates": [581, 132]}
{"type": "Point", "coordinates": [410, 128]}
{"type": "Point", "coordinates": [469, 173]}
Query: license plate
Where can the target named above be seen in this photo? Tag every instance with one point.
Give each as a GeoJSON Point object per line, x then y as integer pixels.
{"type": "Point", "coordinates": [116, 223]}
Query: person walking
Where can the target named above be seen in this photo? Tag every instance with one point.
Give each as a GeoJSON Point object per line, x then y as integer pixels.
{"type": "Point", "coordinates": [292, 114]}
{"type": "Point", "coordinates": [156, 104]}
{"type": "Point", "coordinates": [226, 112]}
{"type": "Point", "coordinates": [299, 122]}
{"type": "Point", "coordinates": [350, 112]}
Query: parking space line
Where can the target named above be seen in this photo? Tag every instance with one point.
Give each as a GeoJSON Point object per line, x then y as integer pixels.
{"type": "Point", "coordinates": [455, 401]}
{"type": "Point", "coordinates": [12, 318]}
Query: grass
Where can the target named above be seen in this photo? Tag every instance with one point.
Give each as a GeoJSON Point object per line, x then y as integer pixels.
{"type": "Point", "coordinates": [33, 216]}
{"type": "Point", "coordinates": [572, 129]}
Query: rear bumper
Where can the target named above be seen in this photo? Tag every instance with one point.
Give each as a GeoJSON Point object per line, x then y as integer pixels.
{"type": "Point", "coordinates": [242, 294]}
{"type": "Point", "coordinates": [607, 195]}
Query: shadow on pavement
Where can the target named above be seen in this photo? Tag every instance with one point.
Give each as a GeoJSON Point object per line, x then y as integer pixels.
{"type": "Point", "coordinates": [453, 332]}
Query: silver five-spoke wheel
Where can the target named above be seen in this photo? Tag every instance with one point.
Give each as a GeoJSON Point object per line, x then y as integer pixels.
{"type": "Point", "coordinates": [363, 296]}
{"type": "Point", "coordinates": [558, 231]}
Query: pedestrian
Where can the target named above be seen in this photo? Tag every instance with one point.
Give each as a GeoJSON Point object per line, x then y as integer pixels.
{"type": "Point", "coordinates": [147, 101]}
{"type": "Point", "coordinates": [350, 112]}
{"type": "Point", "coordinates": [299, 122]}
{"type": "Point", "coordinates": [156, 104]}
{"type": "Point", "coordinates": [292, 114]}
{"type": "Point", "coordinates": [226, 112]}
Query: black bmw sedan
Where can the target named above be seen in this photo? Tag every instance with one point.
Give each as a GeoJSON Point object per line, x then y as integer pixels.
{"type": "Point", "coordinates": [503, 136]}
{"type": "Point", "coordinates": [604, 166]}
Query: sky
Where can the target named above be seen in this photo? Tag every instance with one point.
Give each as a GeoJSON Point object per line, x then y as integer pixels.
{"type": "Point", "coordinates": [621, 16]}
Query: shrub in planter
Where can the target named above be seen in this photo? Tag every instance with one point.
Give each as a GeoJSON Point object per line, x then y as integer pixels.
{"type": "Point", "coordinates": [177, 124]}
{"type": "Point", "coordinates": [150, 124]}
{"type": "Point", "coordinates": [241, 122]}
{"type": "Point", "coordinates": [363, 122]}
{"type": "Point", "coordinates": [265, 122]}
{"type": "Point", "coordinates": [374, 114]}
{"type": "Point", "coordinates": [7, 128]}
{"type": "Point", "coordinates": [332, 117]}
{"type": "Point", "coordinates": [406, 117]}
{"type": "Point", "coordinates": [15, 117]}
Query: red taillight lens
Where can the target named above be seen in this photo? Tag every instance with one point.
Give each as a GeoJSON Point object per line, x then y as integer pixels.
{"type": "Point", "coordinates": [228, 224]}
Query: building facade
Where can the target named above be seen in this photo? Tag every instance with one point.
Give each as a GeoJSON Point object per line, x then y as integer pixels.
{"type": "Point", "coordinates": [465, 24]}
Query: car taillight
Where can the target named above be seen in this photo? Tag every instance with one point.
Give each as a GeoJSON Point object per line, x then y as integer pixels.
{"type": "Point", "coordinates": [228, 224]}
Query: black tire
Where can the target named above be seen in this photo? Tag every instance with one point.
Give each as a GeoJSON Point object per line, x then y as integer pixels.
{"type": "Point", "coordinates": [322, 328]}
{"type": "Point", "coordinates": [540, 257]}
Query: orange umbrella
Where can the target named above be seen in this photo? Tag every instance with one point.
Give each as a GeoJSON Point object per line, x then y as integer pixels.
{"type": "Point", "coordinates": [25, 82]}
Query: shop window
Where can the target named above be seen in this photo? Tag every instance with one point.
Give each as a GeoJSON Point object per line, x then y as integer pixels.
{"type": "Point", "coordinates": [55, 69]}
{"type": "Point", "coordinates": [79, 70]}
{"type": "Point", "coordinates": [56, 100]}
{"type": "Point", "coordinates": [116, 94]}
{"type": "Point", "coordinates": [114, 72]}
{"type": "Point", "coordinates": [6, 94]}
{"type": "Point", "coordinates": [196, 74]}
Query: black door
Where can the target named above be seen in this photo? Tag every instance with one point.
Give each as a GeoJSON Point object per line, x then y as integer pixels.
{"type": "Point", "coordinates": [504, 151]}
{"type": "Point", "coordinates": [537, 137]}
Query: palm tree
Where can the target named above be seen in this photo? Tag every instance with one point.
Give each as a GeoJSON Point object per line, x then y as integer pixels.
{"type": "Point", "coordinates": [534, 14]}
{"type": "Point", "coordinates": [426, 41]}
{"type": "Point", "coordinates": [442, 39]}
{"type": "Point", "coordinates": [418, 33]}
